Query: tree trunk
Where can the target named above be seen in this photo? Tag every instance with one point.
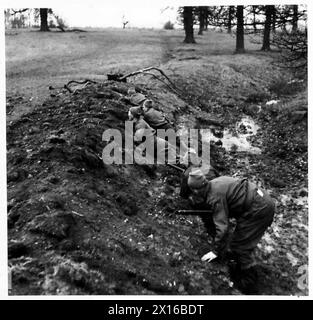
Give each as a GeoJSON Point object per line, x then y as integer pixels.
{"type": "Point", "coordinates": [206, 16]}
{"type": "Point", "coordinates": [274, 20]}
{"type": "Point", "coordinates": [230, 18]}
{"type": "Point", "coordinates": [201, 20]}
{"type": "Point", "coordinates": [295, 18]}
{"type": "Point", "coordinates": [254, 19]}
{"type": "Point", "coordinates": [44, 20]}
{"type": "Point", "coordinates": [188, 25]}
{"type": "Point", "coordinates": [240, 46]}
{"type": "Point", "coordinates": [267, 28]}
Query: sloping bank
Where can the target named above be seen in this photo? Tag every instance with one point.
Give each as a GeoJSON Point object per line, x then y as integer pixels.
{"type": "Point", "coordinates": [77, 226]}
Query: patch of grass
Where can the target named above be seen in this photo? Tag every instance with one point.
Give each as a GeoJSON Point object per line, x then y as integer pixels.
{"type": "Point", "coordinates": [256, 96]}
{"type": "Point", "coordinates": [285, 87]}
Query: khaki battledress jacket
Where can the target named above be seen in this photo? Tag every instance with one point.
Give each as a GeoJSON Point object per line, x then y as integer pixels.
{"type": "Point", "coordinates": [228, 198]}
{"type": "Point", "coordinates": [156, 119]}
{"type": "Point", "coordinates": [160, 150]}
{"type": "Point", "coordinates": [252, 208]}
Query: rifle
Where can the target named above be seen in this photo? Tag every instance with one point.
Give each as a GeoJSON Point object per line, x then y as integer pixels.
{"type": "Point", "coordinates": [176, 167]}
{"type": "Point", "coordinates": [194, 212]}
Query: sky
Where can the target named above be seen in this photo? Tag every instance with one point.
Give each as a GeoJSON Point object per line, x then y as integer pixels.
{"type": "Point", "coordinates": [112, 13]}
{"type": "Point", "coordinates": [107, 13]}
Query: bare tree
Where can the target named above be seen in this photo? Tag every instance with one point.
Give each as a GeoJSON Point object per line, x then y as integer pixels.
{"type": "Point", "coordinates": [267, 28]}
{"type": "Point", "coordinates": [188, 24]}
{"type": "Point", "coordinates": [287, 15]}
{"type": "Point", "coordinates": [124, 22]}
{"type": "Point", "coordinates": [44, 19]}
{"type": "Point", "coordinates": [240, 46]}
{"type": "Point", "coordinates": [293, 50]}
{"type": "Point", "coordinates": [254, 11]}
{"type": "Point", "coordinates": [202, 14]}
{"type": "Point", "coordinates": [206, 19]}
{"type": "Point", "coordinates": [295, 18]}
{"type": "Point", "coordinates": [274, 20]}
{"type": "Point", "coordinates": [231, 11]}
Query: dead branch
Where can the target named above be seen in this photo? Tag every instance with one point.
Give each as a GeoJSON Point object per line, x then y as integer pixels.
{"type": "Point", "coordinates": [18, 11]}
{"type": "Point", "coordinates": [86, 82]}
{"type": "Point", "coordinates": [158, 78]}
{"type": "Point", "coordinates": [147, 69]}
{"type": "Point", "coordinates": [81, 82]}
{"type": "Point", "coordinates": [171, 85]}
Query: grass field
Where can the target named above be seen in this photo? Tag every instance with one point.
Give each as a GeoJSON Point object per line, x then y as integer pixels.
{"type": "Point", "coordinates": [35, 60]}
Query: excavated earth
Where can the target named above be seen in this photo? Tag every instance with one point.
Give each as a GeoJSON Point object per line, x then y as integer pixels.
{"type": "Point", "coordinates": [79, 227]}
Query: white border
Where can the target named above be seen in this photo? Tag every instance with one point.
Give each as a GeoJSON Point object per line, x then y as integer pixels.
{"type": "Point", "coordinates": [3, 190]}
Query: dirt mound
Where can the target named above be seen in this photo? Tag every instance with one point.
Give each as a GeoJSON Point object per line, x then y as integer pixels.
{"type": "Point", "coordinates": [77, 226]}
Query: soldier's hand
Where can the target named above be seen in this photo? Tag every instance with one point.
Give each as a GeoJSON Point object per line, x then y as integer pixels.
{"type": "Point", "coordinates": [209, 256]}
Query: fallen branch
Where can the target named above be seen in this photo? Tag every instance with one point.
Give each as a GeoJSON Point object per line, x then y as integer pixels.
{"type": "Point", "coordinates": [145, 70]}
{"type": "Point", "coordinates": [156, 77]}
{"type": "Point", "coordinates": [171, 85]}
{"type": "Point", "coordinates": [80, 82]}
{"type": "Point", "coordinates": [86, 82]}
{"type": "Point", "coordinates": [175, 167]}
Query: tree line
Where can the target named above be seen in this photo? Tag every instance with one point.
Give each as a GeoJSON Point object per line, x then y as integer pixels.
{"type": "Point", "coordinates": [257, 19]}
{"type": "Point", "coordinates": [277, 24]}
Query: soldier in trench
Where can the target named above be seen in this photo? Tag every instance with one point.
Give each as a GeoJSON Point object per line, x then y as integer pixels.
{"type": "Point", "coordinates": [253, 210]}
{"type": "Point", "coordinates": [155, 118]}
{"type": "Point", "coordinates": [161, 148]}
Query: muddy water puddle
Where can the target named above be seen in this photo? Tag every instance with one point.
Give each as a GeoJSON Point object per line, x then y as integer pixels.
{"type": "Point", "coordinates": [237, 138]}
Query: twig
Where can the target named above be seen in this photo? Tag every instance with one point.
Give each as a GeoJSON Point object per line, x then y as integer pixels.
{"type": "Point", "coordinates": [151, 74]}
{"type": "Point", "coordinates": [175, 167]}
{"type": "Point", "coordinates": [147, 69]}
{"type": "Point", "coordinates": [78, 214]}
{"type": "Point", "coordinates": [81, 82]}
{"type": "Point", "coordinates": [66, 86]}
